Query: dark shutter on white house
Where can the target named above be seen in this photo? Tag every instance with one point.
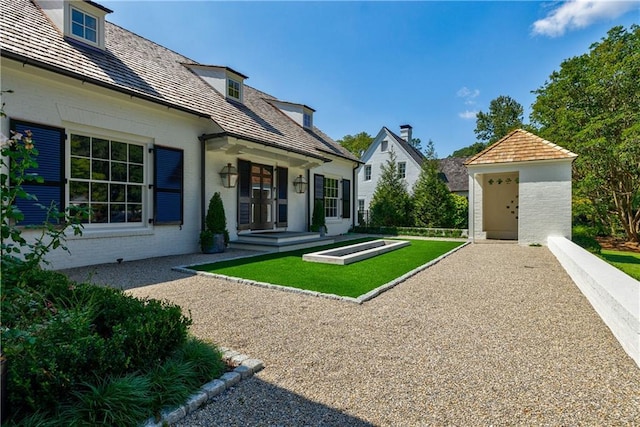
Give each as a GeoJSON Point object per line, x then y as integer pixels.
{"type": "Point", "coordinates": [49, 141]}
{"type": "Point", "coordinates": [282, 176]}
{"type": "Point", "coordinates": [244, 195]}
{"type": "Point", "coordinates": [168, 185]}
{"type": "Point", "coordinates": [318, 187]}
{"type": "Point", "coordinates": [346, 198]}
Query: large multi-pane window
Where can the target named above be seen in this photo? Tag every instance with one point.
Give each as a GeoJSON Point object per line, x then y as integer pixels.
{"type": "Point", "coordinates": [84, 25]}
{"type": "Point", "coordinates": [108, 177]}
{"type": "Point", "coordinates": [331, 198]}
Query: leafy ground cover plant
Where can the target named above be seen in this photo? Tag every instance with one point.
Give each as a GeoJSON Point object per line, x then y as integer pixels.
{"type": "Point", "coordinates": [75, 353]}
{"type": "Point", "coordinates": [353, 280]}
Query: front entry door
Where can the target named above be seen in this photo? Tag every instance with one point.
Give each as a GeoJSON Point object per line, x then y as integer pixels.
{"type": "Point", "coordinates": [261, 197]}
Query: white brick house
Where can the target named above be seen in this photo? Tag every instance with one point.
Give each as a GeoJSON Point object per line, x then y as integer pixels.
{"type": "Point", "coordinates": [520, 189]}
{"type": "Point", "coordinates": [139, 134]}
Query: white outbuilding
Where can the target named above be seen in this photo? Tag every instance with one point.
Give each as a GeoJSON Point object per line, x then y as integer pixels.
{"type": "Point", "coordinates": [520, 189]}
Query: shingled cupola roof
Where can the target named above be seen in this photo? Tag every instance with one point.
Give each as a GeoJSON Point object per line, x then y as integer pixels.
{"type": "Point", "coordinates": [520, 146]}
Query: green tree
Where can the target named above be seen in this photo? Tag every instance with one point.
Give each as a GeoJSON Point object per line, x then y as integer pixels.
{"type": "Point", "coordinates": [505, 114]}
{"type": "Point", "coordinates": [592, 106]}
{"type": "Point", "coordinates": [356, 144]}
{"type": "Point", "coordinates": [433, 205]}
{"type": "Point", "coordinates": [390, 204]}
{"type": "Point", "coordinates": [470, 150]}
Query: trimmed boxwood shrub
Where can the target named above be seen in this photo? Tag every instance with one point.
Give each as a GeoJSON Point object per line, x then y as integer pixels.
{"type": "Point", "coordinates": [57, 333]}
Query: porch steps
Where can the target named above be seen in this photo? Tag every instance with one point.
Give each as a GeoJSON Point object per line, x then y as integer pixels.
{"type": "Point", "coordinates": [280, 241]}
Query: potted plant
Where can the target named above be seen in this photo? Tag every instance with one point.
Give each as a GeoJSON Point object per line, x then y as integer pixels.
{"type": "Point", "coordinates": [215, 236]}
{"type": "Point", "coordinates": [317, 219]}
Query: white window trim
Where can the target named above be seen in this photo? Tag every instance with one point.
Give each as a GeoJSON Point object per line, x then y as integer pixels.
{"type": "Point", "coordinates": [367, 167]}
{"type": "Point", "coordinates": [239, 83]}
{"type": "Point", "coordinates": [338, 198]}
{"type": "Point", "coordinates": [79, 6]}
{"type": "Point", "coordinates": [114, 229]}
{"type": "Point", "coordinates": [384, 146]}
{"type": "Point", "coordinates": [403, 174]}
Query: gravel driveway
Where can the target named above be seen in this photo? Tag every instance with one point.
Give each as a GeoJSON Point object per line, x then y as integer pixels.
{"type": "Point", "coordinates": [495, 334]}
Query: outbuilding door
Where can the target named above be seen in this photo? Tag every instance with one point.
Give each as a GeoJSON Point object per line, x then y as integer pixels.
{"type": "Point", "coordinates": [501, 205]}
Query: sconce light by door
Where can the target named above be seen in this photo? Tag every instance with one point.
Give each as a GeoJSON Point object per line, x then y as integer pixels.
{"type": "Point", "coordinates": [300, 184]}
{"type": "Point", "coordinates": [229, 176]}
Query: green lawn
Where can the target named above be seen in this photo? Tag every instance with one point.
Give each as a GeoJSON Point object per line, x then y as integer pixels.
{"type": "Point", "coordinates": [353, 280]}
{"type": "Point", "coordinates": [629, 262]}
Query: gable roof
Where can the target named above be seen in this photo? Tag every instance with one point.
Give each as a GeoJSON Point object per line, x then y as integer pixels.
{"type": "Point", "coordinates": [520, 146]}
{"type": "Point", "coordinates": [410, 149]}
{"type": "Point", "coordinates": [141, 68]}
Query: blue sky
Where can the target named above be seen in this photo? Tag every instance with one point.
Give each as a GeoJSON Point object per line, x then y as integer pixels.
{"type": "Point", "coordinates": [364, 65]}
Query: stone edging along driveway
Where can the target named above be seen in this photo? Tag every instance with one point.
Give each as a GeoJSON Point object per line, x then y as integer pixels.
{"type": "Point", "coordinates": [245, 367]}
{"type": "Point", "coordinates": [359, 300]}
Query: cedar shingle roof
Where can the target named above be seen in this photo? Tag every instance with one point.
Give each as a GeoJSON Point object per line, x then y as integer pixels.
{"type": "Point", "coordinates": [520, 146]}
{"type": "Point", "coordinates": [140, 67]}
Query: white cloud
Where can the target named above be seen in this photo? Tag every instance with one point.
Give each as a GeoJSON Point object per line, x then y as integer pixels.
{"type": "Point", "coordinates": [575, 14]}
{"type": "Point", "coordinates": [468, 94]}
{"type": "Point", "coordinates": [468, 114]}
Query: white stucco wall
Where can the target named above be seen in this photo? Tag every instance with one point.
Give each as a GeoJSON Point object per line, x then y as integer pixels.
{"type": "Point", "coordinates": [43, 98]}
{"type": "Point", "coordinates": [544, 199]}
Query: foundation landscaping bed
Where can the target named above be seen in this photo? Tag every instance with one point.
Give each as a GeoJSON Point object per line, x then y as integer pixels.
{"type": "Point", "coordinates": [81, 354]}
{"type": "Point", "coordinates": [288, 269]}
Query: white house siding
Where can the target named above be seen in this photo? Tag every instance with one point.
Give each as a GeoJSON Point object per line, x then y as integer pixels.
{"type": "Point", "coordinates": [377, 159]}
{"type": "Point", "coordinates": [336, 169]}
{"type": "Point", "coordinates": [544, 199]}
{"type": "Point", "coordinates": [48, 99]}
{"type": "Point", "coordinates": [545, 202]}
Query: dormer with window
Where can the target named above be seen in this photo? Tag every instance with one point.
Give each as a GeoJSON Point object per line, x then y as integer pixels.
{"type": "Point", "coordinates": [299, 113]}
{"type": "Point", "coordinates": [78, 20]}
{"type": "Point", "coordinates": [228, 82]}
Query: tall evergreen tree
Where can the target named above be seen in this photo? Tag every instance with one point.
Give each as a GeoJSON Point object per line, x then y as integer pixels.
{"type": "Point", "coordinates": [433, 205]}
{"type": "Point", "coordinates": [391, 204]}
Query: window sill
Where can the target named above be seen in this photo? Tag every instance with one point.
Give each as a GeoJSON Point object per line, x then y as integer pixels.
{"type": "Point", "coordinates": [106, 233]}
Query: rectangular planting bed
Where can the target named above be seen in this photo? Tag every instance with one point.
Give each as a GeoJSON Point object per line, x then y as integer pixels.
{"type": "Point", "coordinates": [353, 253]}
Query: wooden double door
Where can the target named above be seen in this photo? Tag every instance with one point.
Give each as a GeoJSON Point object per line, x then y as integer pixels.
{"type": "Point", "coordinates": [262, 198]}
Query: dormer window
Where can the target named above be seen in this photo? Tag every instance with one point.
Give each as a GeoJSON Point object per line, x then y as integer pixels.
{"type": "Point", "coordinates": [81, 21]}
{"type": "Point", "coordinates": [84, 25]}
{"type": "Point", "coordinates": [299, 113]}
{"type": "Point", "coordinates": [307, 122]}
{"type": "Point", "coordinates": [233, 89]}
{"type": "Point", "coordinates": [226, 81]}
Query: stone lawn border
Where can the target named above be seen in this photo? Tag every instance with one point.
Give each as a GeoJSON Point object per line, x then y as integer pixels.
{"type": "Point", "coordinates": [359, 300]}
{"type": "Point", "coordinates": [245, 367]}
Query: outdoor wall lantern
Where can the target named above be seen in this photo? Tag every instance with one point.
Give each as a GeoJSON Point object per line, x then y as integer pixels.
{"type": "Point", "coordinates": [300, 184]}
{"type": "Point", "coordinates": [229, 176]}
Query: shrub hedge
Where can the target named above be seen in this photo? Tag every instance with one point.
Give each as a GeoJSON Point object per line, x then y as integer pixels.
{"type": "Point", "coordinates": [58, 334]}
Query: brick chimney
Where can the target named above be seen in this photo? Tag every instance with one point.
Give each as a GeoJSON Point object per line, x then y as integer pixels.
{"type": "Point", "coordinates": [405, 132]}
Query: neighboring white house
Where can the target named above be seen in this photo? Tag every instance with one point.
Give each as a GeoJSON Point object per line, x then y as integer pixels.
{"type": "Point", "coordinates": [409, 161]}
{"type": "Point", "coordinates": [520, 189]}
{"type": "Point", "coordinates": [139, 134]}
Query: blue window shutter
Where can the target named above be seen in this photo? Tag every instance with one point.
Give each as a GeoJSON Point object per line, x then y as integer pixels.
{"type": "Point", "coordinates": [318, 187]}
{"type": "Point", "coordinates": [49, 141]}
{"type": "Point", "coordinates": [168, 185]}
